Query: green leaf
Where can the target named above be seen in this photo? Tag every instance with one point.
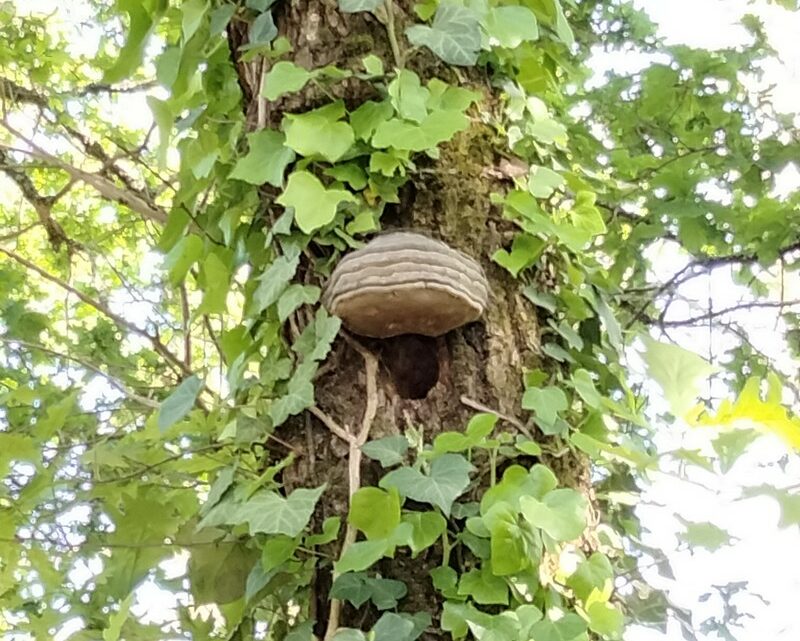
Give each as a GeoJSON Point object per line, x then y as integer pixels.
{"type": "Point", "coordinates": [266, 160]}
{"type": "Point", "coordinates": [375, 512]}
{"type": "Point", "coordinates": [448, 478]}
{"type": "Point", "coordinates": [315, 341]}
{"type": "Point", "coordinates": [542, 181]}
{"type": "Point", "coordinates": [272, 284]}
{"type": "Point", "coordinates": [330, 530]}
{"type": "Point", "coordinates": [314, 205]}
{"type": "Point", "coordinates": [294, 297]}
{"type": "Point", "coordinates": [567, 628]}
{"type": "Point", "coordinates": [595, 573]}
{"type": "Point", "coordinates": [409, 97]}
{"type": "Point", "coordinates": [705, 535]}
{"type": "Point", "coordinates": [193, 12]}
{"type": "Point", "coordinates": [388, 451]}
{"type": "Point", "coordinates": [117, 620]}
{"type": "Point", "coordinates": [284, 77]}
{"type": "Point", "coordinates": [583, 384]}
{"type": "Point", "coordinates": [368, 116]}
{"type": "Point", "coordinates": [358, 588]}
{"type": "Point", "coordinates": [141, 22]}
{"type": "Point", "coordinates": [561, 513]}
{"type": "Point", "coordinates": [182, 256]}
{"type": "Point", "coordinates": [276, 551]}
{"type": "Point", "coordinates": [373, 65]}
{"type": "Point", "coordinates": [299, 396]}
{"type": "Point", "coordinates": [262, 30]}
{"type": "Point", "coordinates": [525, 251]}
{"type": "Point", "coordinates": [478, 428]}
{"type": "Point", "coordinates": [484, 587]}
{"type": "Point", "coordinates": [454, 35]}
{"type": "Point", "coordinates": [319, 133]}
{"type": "Point", "coordinates": [605, 619]}
{"type": "Point", "coordinates": [427, 527]}
{"type": "Point", "coordinates": [361, 555]}
{"type": "Point", "coordinates": [400, 627]}
{"type": "Point", "coordinates": [268, 512]}
{"type": "Point", "coordinates": [179, 403]}
{"type": "Point", "coordinates": [679, 373]}
{"type": "Point", "coordinates": [216, 278]}
{"type": "Point", "coordinates": [518, 482]}
{"type": "Point", "coordinates": [547, 402]}
{"type": "Point", "coordinates": [509, 27]}
{"type": "Point", "coordinates": [349, 634]}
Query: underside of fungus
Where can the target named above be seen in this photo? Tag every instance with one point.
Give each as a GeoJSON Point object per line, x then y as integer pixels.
{"type": "Point", "coordinates": [406, 283]}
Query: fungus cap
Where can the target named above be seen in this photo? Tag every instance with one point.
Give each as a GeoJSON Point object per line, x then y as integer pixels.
{"type": "Point", "coordinates": [406, 283]}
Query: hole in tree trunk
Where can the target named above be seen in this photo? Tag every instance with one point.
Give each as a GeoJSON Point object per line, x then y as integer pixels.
{"type": "Point", "coordinates": [413, 362]}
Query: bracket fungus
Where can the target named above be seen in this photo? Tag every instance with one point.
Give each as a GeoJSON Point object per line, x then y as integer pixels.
{"type": "Point", "coordinates": [407, 289]}
{"type": "Point", "coordinates": [406, 283]}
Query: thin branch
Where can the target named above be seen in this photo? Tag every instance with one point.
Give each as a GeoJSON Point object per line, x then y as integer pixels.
{"type": "Point", "coordinates": [115, 382]}
{"type": "Point", "coordinates": [158, 346]}
{"type": "Point", "coordinates": [509, 419]}
{"type": "Point", "coordinates": [727, 310]}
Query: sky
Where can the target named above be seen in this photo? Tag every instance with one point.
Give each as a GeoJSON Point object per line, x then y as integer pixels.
{"type": "Point", "coordinates": [762, 554]}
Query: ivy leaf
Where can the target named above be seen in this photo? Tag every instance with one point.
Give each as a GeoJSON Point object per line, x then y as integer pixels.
{"type": "Point", "coordinates": [319, 132]}
{"type": "Point", "coordinates": [276, 551]}
{"type": "Point", "coordinates": [375, 512]}
{"type": "Point", "coordinates": [605, 619]}
{"type": "Point", "coordinates": [705, 535]}
{"type": "Point", "coordinates": [141, 19]}
{"type": "Point", "coordinates": [299, 396]}
{"type": "Point", "coordinates": [388, 451]}
{"type": "Point", "coordinates": [284, 77]}
{"type": "Point", "coordinates": [448, 478]}
{"type": "Point", "coordinates": [353, 6]}
{"type": "Point", "coordinates": [360, 555]}
{"type": "Point", "coordinates": [595, 573]}
{"type": "Point", "coordinates": [314, 204]}
{"type": "Point", "coordinates": [349, 634]}
{"type": "Point", "coordinates": [179, 403]}
{"type": "Point", "coordinates": [454, 35]}
{"type": "Point", "coordinates": [400, 627]}
{"type": "Point", "coordinates": [427, 527]}
{"type": "Point", "coordinates": [567, 628]}
{"type": "Point", "coordinates": [525, 251]}
{"type": "Point", "coordinates": [272, 283]}
{"type": "Point", "coordinates": [193, 12]}
{"type": "Point", "coordinates": [295, 296]}
{"type": "Point", "coordinates": [268, 512]}
{"type": "Point", "coordinates": [478, 428]}
{"type": "Point", "coordinates": [266, 160]}
{"type": "Point", "coordinates": [542, 181]}
{"type": "Point", "coordinates": [368, 116]}
{"type": "Point", "coordinates": [216, 279]}
{"type": "Point", "coordinates": [358, 588]}
{"type": "Point", "coordinates": [315, 341]}
{"type": "Point", "coordinates": [518, 482]}
{"type": "Point", "coordinates": [330, 530]}
{"type": "Point", "coordinates": [484, 587]}
{"type": "Point", "coordinates": [509, 27]}
{"type": "Point", "coordinates": [561, 513]}
{"type": "Point", "coordinates": [262, 30]}
{"type": "Point", "coordinates": [678, 371]}
{"type": "Point", "coordinates": [409, 97]}
{"type": "Point", "coordinates": [547, 402]}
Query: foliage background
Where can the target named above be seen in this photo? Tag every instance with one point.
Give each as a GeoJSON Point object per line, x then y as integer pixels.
{"type": "Point", "coordinates": [101, 248]}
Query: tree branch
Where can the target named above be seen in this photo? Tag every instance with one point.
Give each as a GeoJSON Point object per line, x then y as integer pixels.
{"type": "Point", "coordinates": [158, 346]}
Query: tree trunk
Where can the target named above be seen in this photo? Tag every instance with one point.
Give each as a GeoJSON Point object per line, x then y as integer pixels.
{"type": "Point", "coordinates": [480, 365]}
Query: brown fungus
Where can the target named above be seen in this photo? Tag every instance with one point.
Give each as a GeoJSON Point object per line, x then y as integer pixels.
{"type": "Point", "coordinates": [406, 283]}
{"type": "Point", "coordinates": [407, 289]}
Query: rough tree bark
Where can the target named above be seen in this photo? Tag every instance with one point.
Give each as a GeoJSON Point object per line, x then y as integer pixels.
{"type": "Point", "coordinates": [480, 365]}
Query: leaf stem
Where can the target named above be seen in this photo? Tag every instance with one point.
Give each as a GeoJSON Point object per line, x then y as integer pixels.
{"type": "Point", "coordinates": [390, 30]}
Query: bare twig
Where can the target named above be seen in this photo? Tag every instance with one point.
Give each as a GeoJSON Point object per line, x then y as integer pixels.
{"type": "Point", "coordinates": [509, 419]}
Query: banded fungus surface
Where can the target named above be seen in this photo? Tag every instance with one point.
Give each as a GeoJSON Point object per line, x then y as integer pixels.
{"type": "Point", "coordinates": [406, 286]}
